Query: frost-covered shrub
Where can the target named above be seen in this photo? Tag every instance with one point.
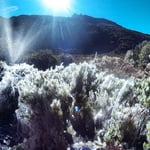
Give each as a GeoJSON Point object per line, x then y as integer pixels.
{"type": "Point", "coordinates": [63, 84]}
{"type": "Point", "coordinates": [8, 101]}
{"type": "Point", "coordinates": [85, 84]}
{"type": "Point", "coordinates": [126, 125]}
{"type": "Point", "coordinates": [78, 101]}
{"type": "Point", "coordinates": [8, 93]}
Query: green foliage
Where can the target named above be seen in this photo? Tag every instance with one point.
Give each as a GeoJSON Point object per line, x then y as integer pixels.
{"type": "Point", "coordinates": [122, 131]}
{"type": "Point", "coordinates": [141, 54]}
{"type": "Point", "coordinates": [143, 89]}
{"type": "Point", "coordinates": [146, 146]}
{"type": "Point", "coordinates": [113, 134]}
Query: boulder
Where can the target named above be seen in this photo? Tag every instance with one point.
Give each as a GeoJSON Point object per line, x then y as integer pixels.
{"type": "Point", "coordinates": [129, 57]}
{"type": "Point", "coordinates": [148, 67]}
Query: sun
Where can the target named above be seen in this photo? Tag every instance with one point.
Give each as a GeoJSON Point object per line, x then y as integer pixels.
{"type": "Point", "coordinates": [58, 5]}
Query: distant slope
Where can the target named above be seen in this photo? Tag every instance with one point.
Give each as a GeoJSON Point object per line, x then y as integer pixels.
{"type": "Point", "coordinates": [76, 34]}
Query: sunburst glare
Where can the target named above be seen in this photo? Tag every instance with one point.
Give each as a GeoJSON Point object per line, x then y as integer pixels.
{"type": "Point", "coordinates": [58, 5]}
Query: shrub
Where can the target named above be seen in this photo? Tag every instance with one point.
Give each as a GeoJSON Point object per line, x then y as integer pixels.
{"type": "Point", "coordinates": [42, 60]}
{"type": "Point", "coordinates": [141, 54]}
{"type": "Point", "coordinates": [82, 97]}
{"type": "Point", "coordinates": [143, 89]}
{"type": "Point", "coordinates": [147, 145]}
{"type": "Point", "coordinates": [66, 59]}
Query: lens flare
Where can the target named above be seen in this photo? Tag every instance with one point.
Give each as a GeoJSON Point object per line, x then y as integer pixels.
{"type": "Point", "coordinates": [58, 5]}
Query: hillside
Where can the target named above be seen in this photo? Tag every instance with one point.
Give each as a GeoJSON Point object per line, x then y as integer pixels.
{"type": "Point", "coordinates": [79, 34]}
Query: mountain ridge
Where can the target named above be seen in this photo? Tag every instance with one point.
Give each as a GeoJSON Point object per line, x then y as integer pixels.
{"type": "Point", "coordinates": [79, 34]}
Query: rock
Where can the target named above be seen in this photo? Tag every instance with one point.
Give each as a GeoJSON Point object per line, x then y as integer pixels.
{"type": "Point", "coordinates": [147, 70]}
{"type": "Point", "coordinates": [147, 67]}
{"type": "Point", "coordinates": [129, 57]}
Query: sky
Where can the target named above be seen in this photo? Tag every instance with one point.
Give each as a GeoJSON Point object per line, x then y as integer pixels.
{"type": "Point", "coordinates": [132, 14]}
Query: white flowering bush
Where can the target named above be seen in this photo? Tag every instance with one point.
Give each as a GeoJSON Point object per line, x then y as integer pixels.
{"type": "Point", "coordinates": [79, 100]}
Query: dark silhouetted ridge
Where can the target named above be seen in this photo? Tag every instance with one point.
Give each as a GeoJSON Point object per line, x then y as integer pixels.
{"type": "Point", "coordinates": [79, 34]}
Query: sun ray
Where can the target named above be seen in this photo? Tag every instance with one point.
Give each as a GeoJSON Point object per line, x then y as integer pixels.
{"type": "Point", "coordinates": [58, 5]}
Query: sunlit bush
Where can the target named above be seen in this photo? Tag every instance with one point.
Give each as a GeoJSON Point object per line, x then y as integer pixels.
{"type": "Point", "coordinates": [78, 101]}
{"type": "Point", "coordinates": [141, 54]}
{"type": "Point", "coordinates": [147, 145]}
{"type": "Point", "coordinates": [143, 89]}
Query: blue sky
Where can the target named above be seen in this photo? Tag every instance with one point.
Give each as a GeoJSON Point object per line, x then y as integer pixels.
{"type": "Point", "coordinates": [132, 14]}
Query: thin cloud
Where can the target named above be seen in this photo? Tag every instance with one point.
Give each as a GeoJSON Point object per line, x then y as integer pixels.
{"type": "Point", "coordinates": [9, 9]}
